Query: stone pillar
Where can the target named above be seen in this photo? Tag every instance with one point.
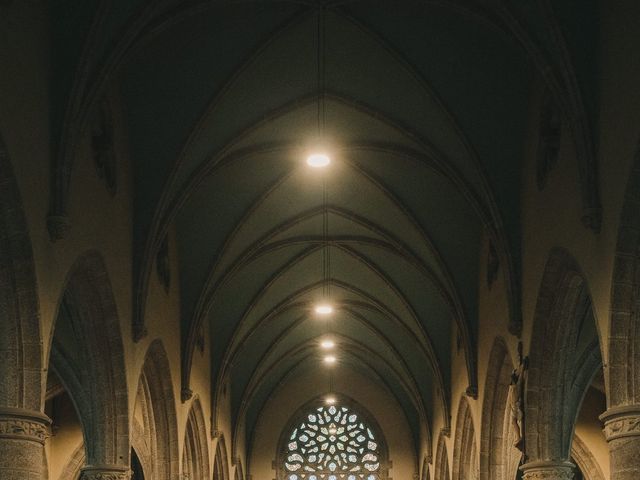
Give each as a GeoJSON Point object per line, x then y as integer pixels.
{"type": "Point", "coordinates": [22, 436]}
{"type": "Point", "coordinates": [622, 430]}
{"type": "Point", "coordinates": [105, 472]}
{"type": "Point", "coordinates": [548, 470]}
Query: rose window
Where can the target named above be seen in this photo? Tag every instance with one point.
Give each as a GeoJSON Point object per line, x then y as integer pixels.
{"type": "Point", "coordinates": [332, 443]}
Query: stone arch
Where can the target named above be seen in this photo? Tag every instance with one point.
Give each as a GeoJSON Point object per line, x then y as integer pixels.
{"type": "Point", "coordinates": [74, 465]}
{"type": "Point", "coordinates": [155, 421]}
{"type": "Point", "coordinates": [239, 473]}
{"type": "Point", "coordinates": [465, 461]}
{"type": "Point", "coordinates": [564, 359]}
{"type": "Point", "coordinates": [20, 336]}
{"type": "Point", "coordinates": [442, 461]}
{"type": "Point", "coordinates": [585, 460]}
{"type": "Point", "coordinates": [195, 457]}
{"type": "Point", "coordinates": [624, 337]}
{"type": "Point", "coordinates": [499, 459]}
{"type": "Point", "coordinates": [365, 418]}
{"type": "Point", "coordinates": [88, 357]}
{"type": "Point", "coordinates": [425, 475]}
{"type": "Point", "coordinates": [220, 462]}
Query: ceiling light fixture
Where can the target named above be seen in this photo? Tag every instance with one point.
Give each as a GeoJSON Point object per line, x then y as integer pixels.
{"type": "Point", "coordinates": [324, 309]}
{"type": "Point", "coordinates": [327, 344]}
{"type": "Point", "coordinates": [330, 359]}
{"type": "Point", "coordinates": [318, 160]}
{"type": "Point", "coordinates": [330, 400]}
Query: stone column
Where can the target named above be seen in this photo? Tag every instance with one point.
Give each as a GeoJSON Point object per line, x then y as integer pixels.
{"type": "Point", "coordinates": [622, 430]}
{"type": "Point", "coordinates": [22, 436]}
{"type": "Point", "coordinates": [548, 470]}
{"type": "Point", "coordinates": [105, 472]}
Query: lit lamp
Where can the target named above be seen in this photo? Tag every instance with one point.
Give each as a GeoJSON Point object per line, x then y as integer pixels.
{"type": "Point", "coordinates": [327, 344]}
{"type": "Point", "coordinates": [324, 309]}
{"type": "Point", "coordinates": [330, 359]}
{"type": "Point", "coordinates": [318, 160]}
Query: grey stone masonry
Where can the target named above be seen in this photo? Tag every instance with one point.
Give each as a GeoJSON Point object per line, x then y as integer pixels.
{"type": "Point", "coordinates": [105, 472]}
{"type": "Point", "coordinates": [622, 430]}
{"type": "Point", "coordinates": [22, 436]}
{"type": "Point", "coordinates": [548, 470]}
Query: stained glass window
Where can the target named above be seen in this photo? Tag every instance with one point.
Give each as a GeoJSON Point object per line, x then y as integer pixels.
{"type": "Point", "coordinates": [332, 443]}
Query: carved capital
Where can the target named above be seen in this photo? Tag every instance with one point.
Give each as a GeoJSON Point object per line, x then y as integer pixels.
{"type": "Point", "coordinates": [58, 227]}
{"type": "Point", "coordinates": [139, 332]}
{"type": "Point", "coordinates": [472, 392]}
{"type": "Point", "coordinates": [548, 470]}
{"type": "Point", "coordinates": [623, 421]}
{"type": "Point", "coordinates": [185, 394]}
{"type": "Point", "coordinates": [24, 425]}
{"type": "Point", "coordinates": [105, 472]}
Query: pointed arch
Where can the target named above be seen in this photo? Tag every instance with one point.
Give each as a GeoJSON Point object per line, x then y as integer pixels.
{"type": "Point", "coordinates": [426, 474]}
{"type": "Point", "coordinates": [442, 460]}
{"type": "Point", "coordinates": [585, 460]}
{"type": "Point", "coordinates": [195, 457]}
{"type": "Point", "coordinates": [565, 356]}
{"type": "Point", "coordinates": [155, 416]}
{"type": "Point", "coordinates": [239, 472]}
{"type": "Point", "coordinates": [20, 337]}
{"type": "Point", "coordinates": [220, 461]}
{"type": "Point", "coordinates": [499, 459]}
{"type": "Point", "coordinates": [88, 356]}
{"type": "Point", "coordinates": [74, 465]}
{"type": "Point", "coordinates": [465, 451]}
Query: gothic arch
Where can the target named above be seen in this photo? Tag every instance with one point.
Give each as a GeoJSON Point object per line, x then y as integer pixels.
{"type": "Point", "coordinates": [465, 451]}
{"type": "Point", "coordinates": [155, 416]}
{"type": "Point", "coordinates": [442, 461]}
{"type": "Point", "coordinates": [20, 337]}
{"type": "Point", "coordinates": [624, 338]}
{"type": "Point", "coordinates": [585, 460]}
{"type": "Point", "coordinates": [88, 357]}
{"type": "Point", "coordinates": [74, 465]}
{"type": "Point", "coordinates": [499, 459]}
{"type": "Point", "coordinates": [426, 474]}
{"type": "Point", "coordinates": [220, 462]}
{"type": "Point", "coordinates": [238, 474]}
{"type": "Point", "coordinates": [364, 417]}
{"type": "Point", "coordinates": [560, 369]}
{"type": "Point", "coordinates": [195, 457]}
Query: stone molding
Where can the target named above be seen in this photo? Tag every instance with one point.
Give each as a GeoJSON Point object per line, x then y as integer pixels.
{"type": "Point", "coordinates": [548, 470]}
{"type": "Point", "coordinates": [105, 472]}
{"type": "Point", "coordinates": [621, 421]}
{"type": "Point", "coordinates": [20, 424]}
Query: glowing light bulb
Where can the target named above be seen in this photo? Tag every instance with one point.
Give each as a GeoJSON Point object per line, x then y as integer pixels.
{"type": "Point", "coordinates": [327, 344]}
{"type": "Point", "coordinates": [324, 309]}
{"type": "Point", "coordinates": [330, 359]}
{"type": "Point", "coordinates": [318, 160]}
{"type": "Point", "coordinates": [330, 400]}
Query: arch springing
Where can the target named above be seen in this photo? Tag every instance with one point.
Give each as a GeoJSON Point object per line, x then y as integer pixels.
{"type": "Point", "coordinates": [332, 443]}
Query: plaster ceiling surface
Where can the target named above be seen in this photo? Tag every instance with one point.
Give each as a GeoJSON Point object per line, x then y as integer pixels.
{"type": "Point", "coordinates": [424, 109]}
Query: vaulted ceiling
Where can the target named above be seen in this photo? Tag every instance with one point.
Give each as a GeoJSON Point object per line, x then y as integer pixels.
{"type": "Point", "coordinates": [424, 112]}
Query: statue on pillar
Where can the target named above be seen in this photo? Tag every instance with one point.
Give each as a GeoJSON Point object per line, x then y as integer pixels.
{"type": "Point", "coordinates": [515, 399]}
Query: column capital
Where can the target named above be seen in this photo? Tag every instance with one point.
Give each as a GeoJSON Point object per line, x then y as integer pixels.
{"type": "Point", "coordinates": [105, 472]}
{"type": "Point", "coordinates": [21, 424]}
{"type": "Point", "coordinates": [621, 421]}
{"type": "Point", "coordinates": [548, 470]}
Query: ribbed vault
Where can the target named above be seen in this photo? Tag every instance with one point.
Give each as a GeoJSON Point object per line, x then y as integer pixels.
{"type": "Point", "coordinates": [425, 122]}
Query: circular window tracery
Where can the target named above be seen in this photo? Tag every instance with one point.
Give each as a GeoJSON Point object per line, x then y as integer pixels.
{"type": "Point", "coordinates": [332, 443]}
